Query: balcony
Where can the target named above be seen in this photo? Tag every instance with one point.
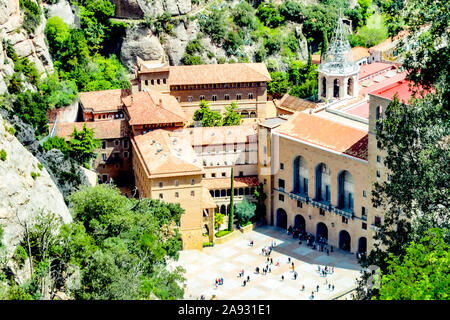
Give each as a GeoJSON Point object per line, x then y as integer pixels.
{"type": "Point", "coordinates": [348, 213]}
{"type": "Point", "coordinates": [300, 197]}
{"type": "Point", "coordinates": [321, 204]}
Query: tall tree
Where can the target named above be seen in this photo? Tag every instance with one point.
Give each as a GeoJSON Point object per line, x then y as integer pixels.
{"type": "Point", "coordinates": [415, 137]}
{"type": "Point", "coordinates": [83, 145]}
{"type": "Point", "coordinates": [231, 117]}
{"type": "Point", "coordinates": [208, 117]}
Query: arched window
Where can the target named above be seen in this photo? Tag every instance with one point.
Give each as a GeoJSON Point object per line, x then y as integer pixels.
{"type": "Point", "coordinates": [345, 190]}
{"type": "Point", "coordinates": [324, 87]}
{"type": "Point", "coordinates": [350, 87]}
{"type": "Point", "coordinates": [336, 88]}
{"type": "Point", "coordinates": [323, 183]}
{"type": "Point", "coordinates": [300, 176]}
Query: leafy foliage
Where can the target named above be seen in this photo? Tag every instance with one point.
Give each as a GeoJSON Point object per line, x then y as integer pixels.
{"type": "Point", "coordinates": [32, 15]}
{"type": "Point", "coordinates": [269, 14]}
{"type": "Point", "coordinates": [82, 145]}
{"type": "Point", "coordinates": [231, 117]}
{"type": "Point", "coordinates": [422, 274]}
{"type": "Point", "coordinates": [214, 24]}
{"type": "Point", "coordinates": [31, 108]}
{"type": "Point", "coordinates": [208, 117]}
{"type": "Point", "coordinates": [58, 93]}
{"type": "Point", "coordinates": [245, 211]}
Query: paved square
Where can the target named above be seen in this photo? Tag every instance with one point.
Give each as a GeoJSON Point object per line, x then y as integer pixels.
{"type": "Point", "coordinates": [227, 259]}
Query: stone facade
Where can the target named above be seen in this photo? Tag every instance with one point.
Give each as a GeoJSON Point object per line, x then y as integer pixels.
{"type": "Point", "coordinates": [343, 228]}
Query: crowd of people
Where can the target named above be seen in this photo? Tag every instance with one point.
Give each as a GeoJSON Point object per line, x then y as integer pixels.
{"type": "Point", "coordinates": [270, 264]}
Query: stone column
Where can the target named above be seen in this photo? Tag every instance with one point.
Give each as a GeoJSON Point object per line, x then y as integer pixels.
{"type": "Point", "coordinates": [342, 87]}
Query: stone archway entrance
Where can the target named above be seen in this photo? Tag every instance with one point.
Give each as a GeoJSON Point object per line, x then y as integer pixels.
{"type": "Point", "coordinates": [362, 245]}
{"type": "Point", "coordinates": [321, 230]}
{"type": "Point", "coordinates": [344, 240]}
{"type": "Point", "coordinates": [281, 218]}
{"type": "Point", "coordinates": [299, 223]}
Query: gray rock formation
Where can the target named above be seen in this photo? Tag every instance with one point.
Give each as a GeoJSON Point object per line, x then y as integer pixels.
{"type": "Point", "coordinates": [26, 189]}
{"type": "Point", "coordinates": [31, 46]}
{"type": "Point", "coordinates": [139, 42]}
{"type": "Point", "coordinates": [63, 10]}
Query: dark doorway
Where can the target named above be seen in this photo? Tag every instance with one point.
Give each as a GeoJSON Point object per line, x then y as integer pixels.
{"type": "Point", "coordinates": [344, 240]}
{"type": "Point", "coordinates": [299, 223]}
{"type": "Point", "coordinates": [281, 218]}
{"type": "Point", "coordinates": [362, 245]}
{"type": "Point", "coordinates": [322, 230]}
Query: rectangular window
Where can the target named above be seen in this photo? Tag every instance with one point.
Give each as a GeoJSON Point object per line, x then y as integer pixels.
{"type": "Point", "coordinates": [344, 220]}
{"type": "Point", "coordinates": [281, 183]}
{"type": "Point", "coordinates": [160, 184]}
{"type": "Point", "coordinates": [281, 197]}
{"type": "Point", "coordinates": [189, 99]}
{"type": "Point", "coordinates": [224, 174]}
{"type": "Point", "coordinates": [192, 181]}
{"type": "Point", "coordinates": [176, 183]}
{"type": "Point", "coordinates": [299, 204]}
{"type": "Point", "coordinates": [161, 196]}
{"type": "Point", "coordinates": [116, 142]}
{"type": "Point", "coordinates": [377, 221]}
{"type": "Point", "coordinates": [104, 156]}
{"type": "Point", "coordinates": [378, 159]}
{"type": "Point", "coordinates": [103, 144]}
{"type": "Point", "coordinates": [238, 96]}
{"type": "Point", "coordinates": [388, 177]}
{"type": "Point", "coordinates": [250, 95]}
{"type": "Point", "coordinates": [378, 174]}
{"type": "Point", "coordinates": [192, 193]}
{"type": "Point", "coordinates": [281, 166]}
{"type": "Point", "coordinates": [241, 173]}
{"type": "Point", "coordinates": [125, 154]}
{"type": "Point", "coordinates": [177, 194]}
{"type": "Point", "coordinates": [265, 181]}
{"type": "Point", "coordinates": [363, 211]}
{"type": "Point", "coordinates": [364, 226]}
{"type": "Point", "coordinates": [213, 175]}
{"type": "Point", "coordinates": [125, 144]}
{"type": "Point", "coordinates": [364, 194]}
{"type": "Point", "coordinates": [321, 212]}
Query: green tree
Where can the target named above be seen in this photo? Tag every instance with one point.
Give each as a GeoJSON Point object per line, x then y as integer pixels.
{"type": "Point", "coordinates": [279, 84]}
{"type": "Point", "coordinates": [56, 32]}
{"type": "Point", "coordinates": [415, 138]}
{"type": "Point", "coordinates": [31, 108]}
{"type": "Point", "coordinates": [268, 13]}
{"type": "Point", "coordinates": [218, 219]}
{"type": "Point", "coordinates": [208, 117]}
{"type": "Point", "coordinates": [245, 211]}
{"type": "Point", "coordinates": [261, 197]}
{"type": "Point", "coordinates": [82, 145]}
{"type": "Point", "coordinates": [57, 143]}
{"type": "Point", "coordinates": [422, 274]}
{"type": "Point", "coordinates": [231, 117]}
{"type": "Point", "coordinates": [292, 10]}
{"type": "Point", "coordinates": [244, 16]}
{"type": "Point", "coordinates": [214, 24]}
{"type": "Point", "coordinates": [58, 93]}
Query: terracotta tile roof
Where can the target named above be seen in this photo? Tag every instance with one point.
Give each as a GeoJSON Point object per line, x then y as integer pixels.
{"type": "Point", "coordinates": [105, 100]}
{"type": "Point", "coordinates": [293, 104]}
{"type": "Point", "coordinates": [207, 200]}
{"type": "Point", "coordinates": [225, 183]}
{"type": "Point", "coordinates": [203, 136]}
{"type": "Point", "coordinates": [103, 129]}
{"type": "Point", "coordinates": [166, 155]}
{"type": "Point", "coordinates": [150, 107]}
{"type": "Point", "coordinates": [359, 53]}
{"type": "Point", "coordinates": [327, 134]}
{"type": "Point", "coordinates": [218, 73]}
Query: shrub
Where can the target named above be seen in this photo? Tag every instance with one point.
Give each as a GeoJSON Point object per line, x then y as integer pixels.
{"type": "Point", "coordinates": [40, 166]}
{"type": "Point", "coordinates": [28, 69]}
{"type": "Point", "coordinates": [3, 155]}
{"type": "Point", "coordinates": [34, 175]}
{"type": "Point", "coordinates": [222, 233]}
{"type": "Point", "coordinates": [215, 25]}
{"type": "Point", "coordinates": [207, 244]}
{"type": "Point", "coordinates": [31, 108]}
{"type": "Point", "coordinates": [32, 15]}
{"type": "Point", "coordinates": [245, 211]}
{"type": "Point", "coordinates": [20, 256]}
{"type": "Point", "coordinates": [268, 13]}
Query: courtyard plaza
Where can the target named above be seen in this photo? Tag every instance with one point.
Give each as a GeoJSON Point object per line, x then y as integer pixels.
{"type": "Point", "coordinates": [228, 259]}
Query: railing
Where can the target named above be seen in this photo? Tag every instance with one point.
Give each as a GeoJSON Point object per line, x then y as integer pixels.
{"type": "Point", "coordinates": [346, 212]}
{"type": "Point", "coordinates": [322, 205]}
{"type": "Point", "coordinates": [300, 197]}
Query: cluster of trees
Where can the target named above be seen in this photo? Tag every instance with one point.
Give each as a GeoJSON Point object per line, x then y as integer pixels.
{"type": "Point", "coordinates": [211, 118]}
{"type": "Point", "coordinates": [300, 80]}
{"type": "Point", "coordinates": [411, 247]}
{"type": "Point", "coordinates": [116, 248]}
{"type": "Point", "coordinates": [76, 57]}
{"type": "Point", "coordinates": [81, 147]}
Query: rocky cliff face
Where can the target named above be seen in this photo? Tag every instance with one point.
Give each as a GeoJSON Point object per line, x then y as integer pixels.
{"type": "Point", "coordinates": [136, 9]}
{"type": "Point", "coordinates": [26, 189]}
{"type": "Point", "coordinates": [26, 45]}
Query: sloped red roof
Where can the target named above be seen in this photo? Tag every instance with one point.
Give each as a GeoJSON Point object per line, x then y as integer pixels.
{"type": "Point", "coordinates": [327, 134]}
{"type": "Point", "coordinates": [104, 100]}
{"type": "Point", "coordinates": [150, 107]}
{"type": "Point", "coordinates": [225, 183]}
{"type": "Point", "coordinates": [103, 129]}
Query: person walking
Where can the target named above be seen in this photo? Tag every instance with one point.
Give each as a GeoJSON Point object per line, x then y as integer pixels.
{"type": "Point", "coordinates": [248, 278]}
{"type": "Point", "coordinates": [282, 278]}
{"type": "Point", "coordinates": [332, 287]}
{"type": "Point", "coordinates": [303, 287]}
{"type": "Point", "coordinates": [245, 282]}
{"type": "Point", "coordinates": [317, 288]}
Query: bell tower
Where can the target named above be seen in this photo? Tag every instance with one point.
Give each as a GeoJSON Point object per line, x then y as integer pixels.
{"type": "Point", "coordinates": [338, 72]}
